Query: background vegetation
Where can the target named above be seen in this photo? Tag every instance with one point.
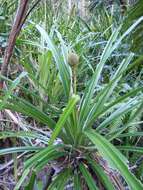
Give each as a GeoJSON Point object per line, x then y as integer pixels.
{"type": "Point", "coordinates": [72, 98]}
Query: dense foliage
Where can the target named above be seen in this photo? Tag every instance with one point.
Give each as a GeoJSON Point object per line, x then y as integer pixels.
{"type": "Point", "coordinates": [72, 102]}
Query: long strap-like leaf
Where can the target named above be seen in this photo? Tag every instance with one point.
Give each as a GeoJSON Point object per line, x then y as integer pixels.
{"type": "Point", "coordinates": [68, 110]}
{"type": "Point", "coordinates": [114, 157]}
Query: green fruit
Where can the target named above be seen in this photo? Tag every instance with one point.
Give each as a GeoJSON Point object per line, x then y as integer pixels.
{"type": "Point", "coordinates": [73, 59]}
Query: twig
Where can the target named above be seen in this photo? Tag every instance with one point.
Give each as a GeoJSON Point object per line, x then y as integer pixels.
{"type": "Point", "coordinates": [2, 167]}
{"type": "Point", "coordinates": [12, 37]}
{"type": "Point", "coordinates": [20, 19]}
{"type": "Point", "coordinates": [15, 120]}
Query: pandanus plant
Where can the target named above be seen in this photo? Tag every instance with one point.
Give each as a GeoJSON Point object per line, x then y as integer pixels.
{"type": "Point", "coordinates": [79, 150]}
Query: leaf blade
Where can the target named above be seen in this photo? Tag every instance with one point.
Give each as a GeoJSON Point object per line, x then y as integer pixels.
{"type": "Point", "coordinates": [110, 152]}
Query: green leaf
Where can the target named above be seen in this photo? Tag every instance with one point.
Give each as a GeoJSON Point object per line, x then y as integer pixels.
{"type": "Point", "coordinates": [46, 158]}
{"type": "Point", "coordinates": [101, 175]}
{"type": "Point", "coordinates": [23, 106]}
{"type": "Point", "coordinates": [61, 66]}
{"type": "Point", "coordinates": [88, 178]}
{"type": "Point", "coordinates": [115, 157]}
{"type": "Point", "coordinates": [23, 134]}
{"type": "Point", "coordinates": [44, 67]}
{"type": "Point", "coordinates": [112, 44]}
{"type": "Point", "coordinates": [86, 99]}
{"type": "Point", "coordinates": [31, 93]}
{"type": "Point", "coordinates": [128, 31]}
{"type": "Point", "coordinates": [120, 99]}
{"type": "Point", "coordinates": [134, 134]}
{"type": "Point", "coordinates": [19, 149]}
{"type": "Point", "coordinates": [131, 148]}
{"type": "Point", "coordinates": [67, 111]}
{"type": "Point", "coordinates": [45, 152]}
{"type": "Point", "coordinates": [123, 109]}
{"type": "Point", "coordinates": [60, 181]}
{"type": "Point", "coordinates": [105, 94]}
{"type": "Point", "coordinates": [115, 134]}
{"type": "Point", "coordinates": [31, 181]}
{"type": "Point", "coordinates": [135, 39]}
{"type": "Point", "coordinates": [77, 181]}
{"type": "Point", "coordinates": [11, 88]}
{"type": "Point", "coordinates": [23, 177]}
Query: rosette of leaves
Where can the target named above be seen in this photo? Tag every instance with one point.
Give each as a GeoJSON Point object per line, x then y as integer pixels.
{"type": "Point", "coordinates": [78, 156]}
